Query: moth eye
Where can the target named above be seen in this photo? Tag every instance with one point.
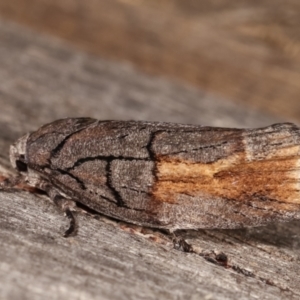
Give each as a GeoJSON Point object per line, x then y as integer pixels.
{"type": "Point", "coordinates": [21, 166]}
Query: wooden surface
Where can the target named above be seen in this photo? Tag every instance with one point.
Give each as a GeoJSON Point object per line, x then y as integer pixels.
{"type": "Point", "coordinates": [248, 51]}
{"type": "Point", "coordinates": [41, 80]}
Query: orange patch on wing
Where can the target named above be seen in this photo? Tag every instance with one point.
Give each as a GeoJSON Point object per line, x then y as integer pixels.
{"type": "Point", "coordinates": [236, 177]}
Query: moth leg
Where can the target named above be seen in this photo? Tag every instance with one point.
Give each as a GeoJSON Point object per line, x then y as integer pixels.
{"type": "Point", "coordinates": [213, 256]}
{"type": "Point", "coordinates": [68, 206]}
{"type": "Point", "coordinates": [181, 244]}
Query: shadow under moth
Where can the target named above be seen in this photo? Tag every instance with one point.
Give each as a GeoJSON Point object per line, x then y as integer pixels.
{"type": "Point", "coordinates": [164, 175]}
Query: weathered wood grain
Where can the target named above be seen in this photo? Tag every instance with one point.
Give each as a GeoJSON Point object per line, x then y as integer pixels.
{"type": "Point", "coordinates": [41, 80]}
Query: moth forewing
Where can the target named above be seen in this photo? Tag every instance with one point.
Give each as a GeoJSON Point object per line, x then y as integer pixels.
{"type": "Point", "coordinates": [167, 175]}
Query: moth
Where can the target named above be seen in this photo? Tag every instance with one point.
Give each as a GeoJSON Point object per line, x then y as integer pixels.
{"type": "Point", "coordinates": [165, 175]}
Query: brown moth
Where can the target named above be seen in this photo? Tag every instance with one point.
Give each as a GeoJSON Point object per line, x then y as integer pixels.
{"type": "Point", "coordinates": [166, 175]}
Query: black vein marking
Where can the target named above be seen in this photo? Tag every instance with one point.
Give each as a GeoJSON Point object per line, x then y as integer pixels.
{"type": "Point", "coordinates": [152, 153]}
{"type": "Point", "coordinates": [292, 131]}
{"type": "Point", "coordinates": [264, 198]}
{"type": "Point", "coordinates": [58, 148]}
{"type": "Point", "coordinates": [249, 204]}
{"type": "Point", "coordinates": [116, 194]}
{"type": "Point", "coordinates": [80, 122]}
{"type": "Point", "coordinates": [239, 213]}
{"type": "Point", "coordinates": [264, 209]}
{"type": "Point", "coordinates": [107, 199]}
{"type": "Point", "coordinates": [80, 182]}
{"type": "Point", "coordinates": [196, 149]}
{"type": "Point", "coordinates": [123, 136]}
{"type": "Point", "coordinates": [118, 197]}
{"type": "Point", "coordinates": [83, 187]}
{"type": "Point", "coordinates": [103, 197]}
{"type": "Point", "coordinates": [107, 159]}
{"type": "Point", "coordinates": [120, 201]}
{"type": "Point", "coordinates": [135, 190]}
{"type": "Point", "coordinates": [41, 136]}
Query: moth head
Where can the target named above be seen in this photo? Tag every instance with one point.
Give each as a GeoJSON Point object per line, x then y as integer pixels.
{"type": "Point", "coordinates": [17, 154]}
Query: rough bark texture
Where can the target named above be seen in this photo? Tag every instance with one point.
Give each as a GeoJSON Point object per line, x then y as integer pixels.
{"type": "Point", "coordinates": [42, 80]}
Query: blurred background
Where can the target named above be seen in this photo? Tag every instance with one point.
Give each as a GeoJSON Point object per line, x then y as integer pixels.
{"type": "Point", "coordinates": [243, 51]}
